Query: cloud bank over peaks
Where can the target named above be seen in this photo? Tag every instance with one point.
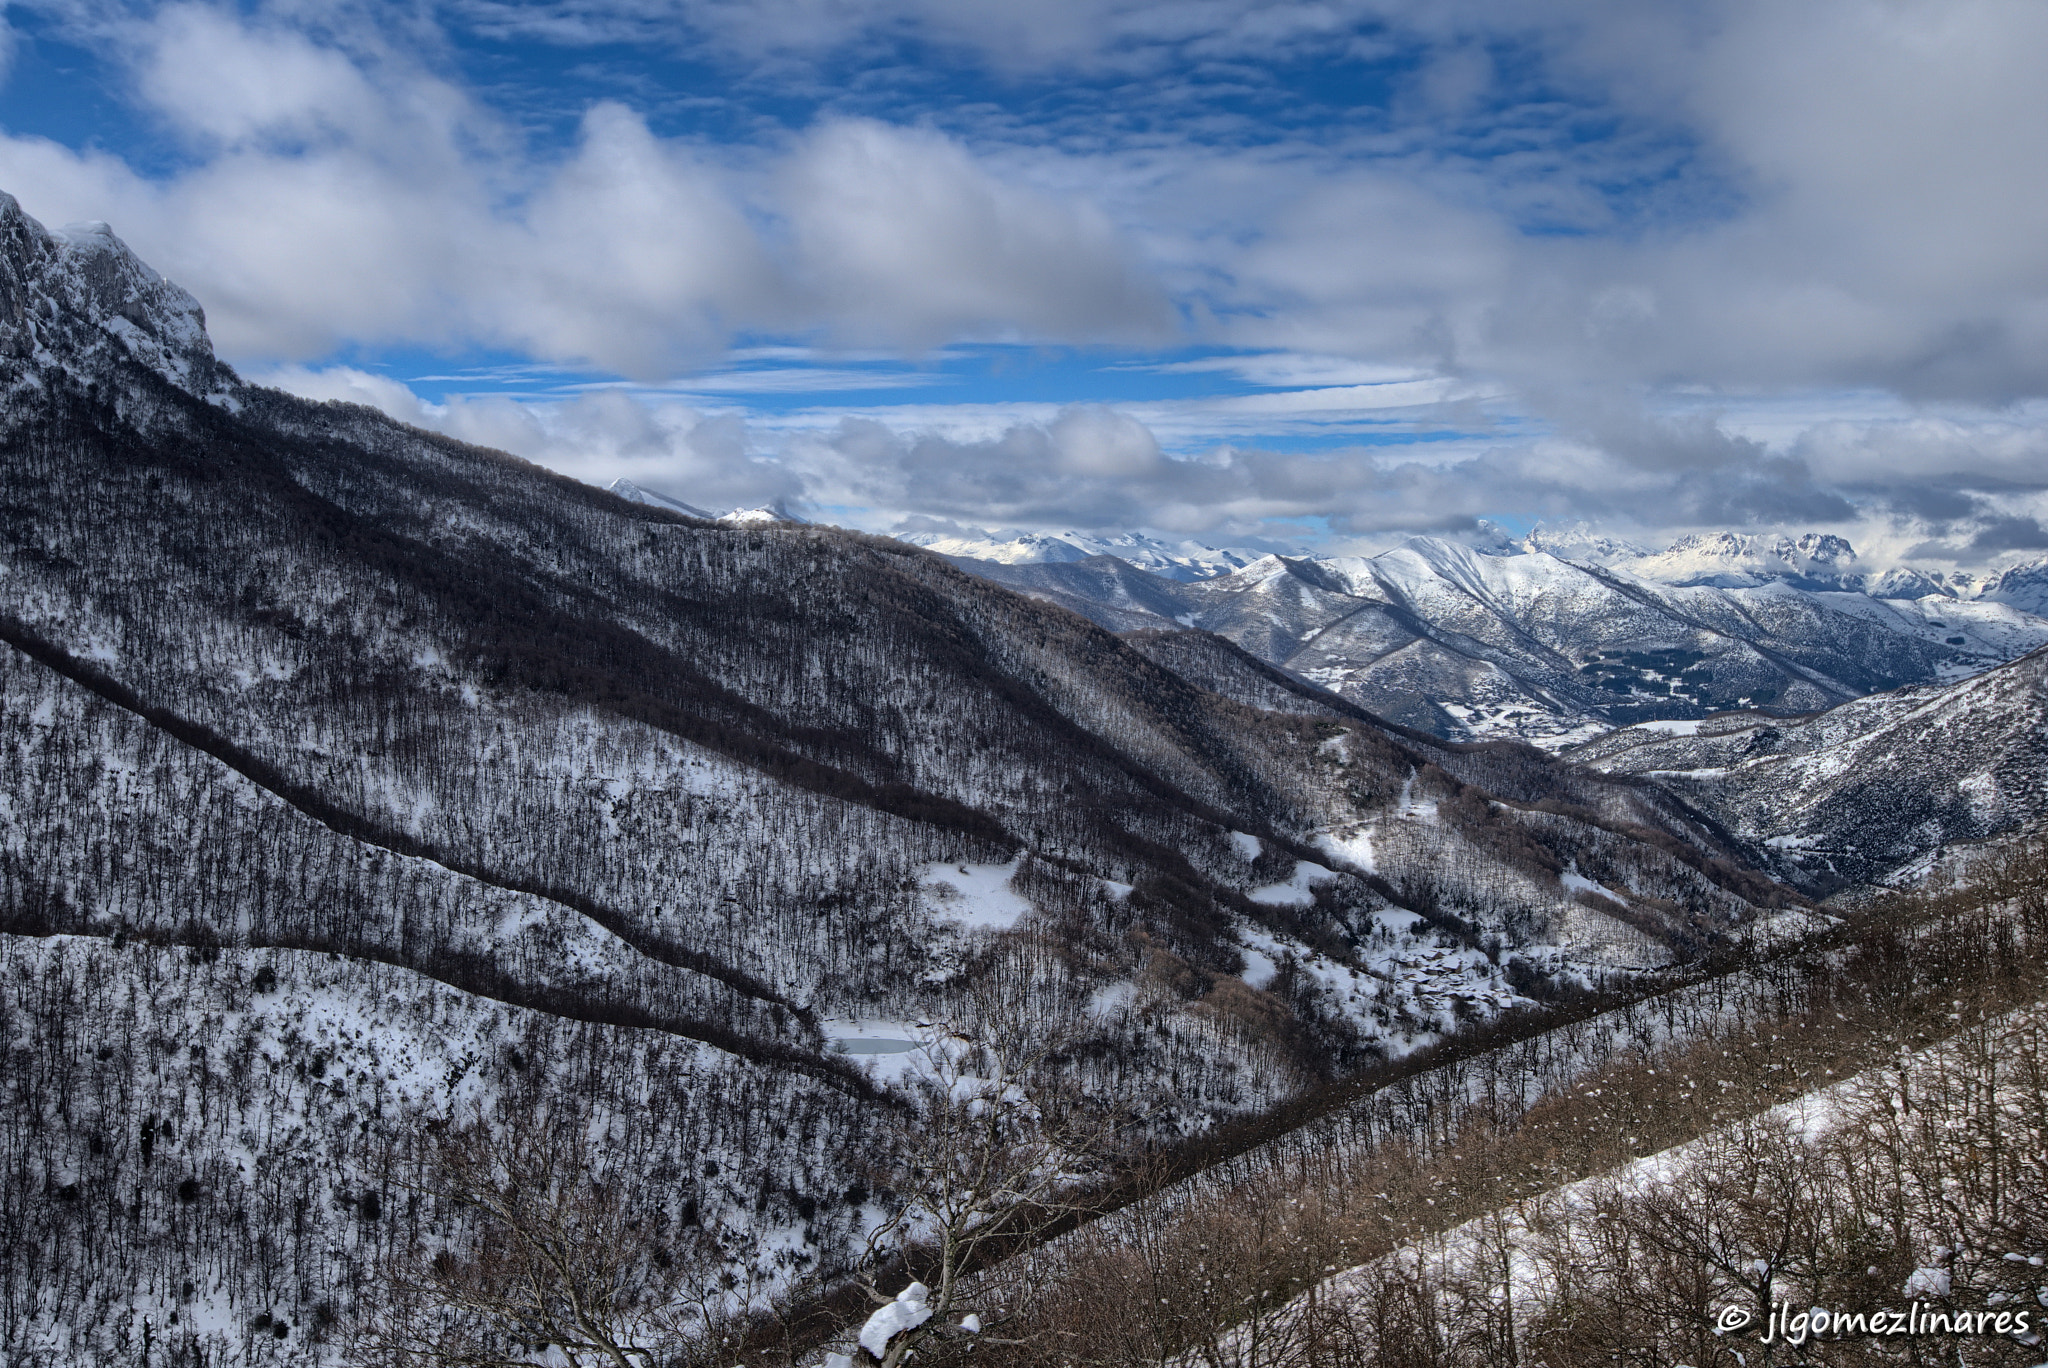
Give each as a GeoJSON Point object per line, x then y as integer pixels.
{"type": "Point", "coordinates": [1730, 264]}
{"type": "Point", "coordinates": [1102, 470]}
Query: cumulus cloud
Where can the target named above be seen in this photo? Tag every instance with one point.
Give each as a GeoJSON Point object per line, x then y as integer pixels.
{"type": "Point", "coordinates": [354, 196]}
{"type": "Point", "coordinates": [225, 84]}
{"type": "Point", "coordinates": [1851, 190]}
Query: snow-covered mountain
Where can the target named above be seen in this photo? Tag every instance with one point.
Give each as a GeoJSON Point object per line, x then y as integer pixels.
{"type": "Point", "coordinates": [1736, 560]}
{"type": "Point", "coordinates": [2024, 587]}
{"type": "Point", "coordinates": [1866, 790]}
{"type": "Point", "coordinates": [735, 517]}
{"type": "Point", "coordinates": [76, 299]}
{"type": "Point", "coordinates": [354, 775]}
{"type": "Point", "coordinates": [1463, 643]}
{"type": "Point", "coordinates": [1182, 561]}
{"type": "Point", "coordinates": [626, 489]}
{"type": "Point", "coordinates": [1577, 541]}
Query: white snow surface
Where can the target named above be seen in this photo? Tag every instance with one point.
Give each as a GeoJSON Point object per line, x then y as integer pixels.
{"type": "Point", "coordinates": [907, 1312]}
{"type": "Point", "coordinates": [1350, 849]}
{"type": "Point", "coordinates": [1299, 890]}
{"type": "Point", "coordinates": [974, 895]}
{"type": "Point", "coordinates": [1578, 883]}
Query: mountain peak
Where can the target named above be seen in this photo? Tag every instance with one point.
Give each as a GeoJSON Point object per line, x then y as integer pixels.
{"type": "Point", "coordinates": [2024, 587]}
{"type": "Point", "coordinates": [737, 517]}
{"type": "Point", "coordinates": [633, 493]}
{"type": "Point", "coordinates": [1744, 560]}
{"type": "Point", "coordinates": [1184, 561]}
{"type": "Point", "coordinates": [74, 298]}
{"type": "Point", "coordinates": [1580, 542]}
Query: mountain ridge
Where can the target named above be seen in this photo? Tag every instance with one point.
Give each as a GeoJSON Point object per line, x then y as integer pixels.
{"type": "Point", "coordinates": [1468, 644]}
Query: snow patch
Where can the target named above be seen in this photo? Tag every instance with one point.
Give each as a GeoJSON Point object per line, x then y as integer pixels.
{"type": "Point", "coordinates": [1111, 998]}
{"type": "Point", "coordinates": [1298, 891]}
{"type": "Point", "coordinates": [1351, 850]}
{"type": "Point", "coordinates": [1575, 882]}
{"type": "Point", "coordinates": [1672, 726]}
{"type": "Point", "coordinates": [974, 895]}
{"type": "Point", "coordinates": [1259, 968]}
{"type": "Point", "coordinates": [1927, 1282]}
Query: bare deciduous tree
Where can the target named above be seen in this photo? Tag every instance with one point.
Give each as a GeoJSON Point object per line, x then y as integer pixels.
{"type": "Point", "coordinates": [992, 1157]}
{"type": "Point", "coordinates": [553, 1257]}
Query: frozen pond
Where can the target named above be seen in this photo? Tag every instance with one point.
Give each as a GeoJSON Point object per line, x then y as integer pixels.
{"type": "Point", "coordinates": [872, 1045]}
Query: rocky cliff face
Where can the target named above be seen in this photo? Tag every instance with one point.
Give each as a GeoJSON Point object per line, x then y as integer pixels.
{"type": "Point", "coordinates": [77, 302]}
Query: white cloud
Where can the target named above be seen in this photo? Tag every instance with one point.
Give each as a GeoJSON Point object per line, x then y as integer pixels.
{"type": "Point", "coordinates": [1695, 244]}
{"type": "Point", "coordinates": [633, 255]}
{"type": "Point", "coordinates": [1042, 466]}
{"type": "Point", "coordinates": [336, 196]}
{"type": "Point", "coordinates": [907, 240]}
{"type": "Point", "coordinates": [220, 81]}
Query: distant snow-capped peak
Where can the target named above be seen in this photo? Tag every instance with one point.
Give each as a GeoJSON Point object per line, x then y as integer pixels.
{"type": "Point", "coordinates": [736, 517]}
{"type": "Point", "coordinates": [1742, 560]}
{"type": "Point", "coordinates": [1813, 560]}
{"type": "Point", "coordinates": [2024, 587]}
{"type": "Point", "coordinates": [1578, 541]}
{"type": "Point", "coordinates": [1184, 561]}
{"type": "Point", "coordinates": [633, 493]}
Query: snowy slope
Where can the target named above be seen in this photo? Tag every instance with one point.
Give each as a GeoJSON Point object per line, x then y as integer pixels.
{"type": "Point", "coordinates": [1181, 561]}
{"type": "Point", "coordinates": [1865, 789]}
{"type": "Point", "coordinates": [1468, 644]}
{"type": "Point", "coordinates": [1530, 1256]}
{"type": "Point", "coordinates": [292, 680]}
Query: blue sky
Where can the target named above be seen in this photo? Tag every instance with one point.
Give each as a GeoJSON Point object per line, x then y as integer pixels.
{"type": "Point", "coordinates": [1320, 274]}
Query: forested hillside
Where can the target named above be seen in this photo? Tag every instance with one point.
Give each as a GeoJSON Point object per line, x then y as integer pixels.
{"type": "Point", "coordinates": [355, 778]}
{"type": "Point", "coordinates": [1875, 790]}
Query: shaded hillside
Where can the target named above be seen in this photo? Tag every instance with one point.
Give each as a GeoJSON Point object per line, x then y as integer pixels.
{"type": "Point", "coordinates": [298, 701]}
{"type": "Point", "coordinates": [1866, 791]}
